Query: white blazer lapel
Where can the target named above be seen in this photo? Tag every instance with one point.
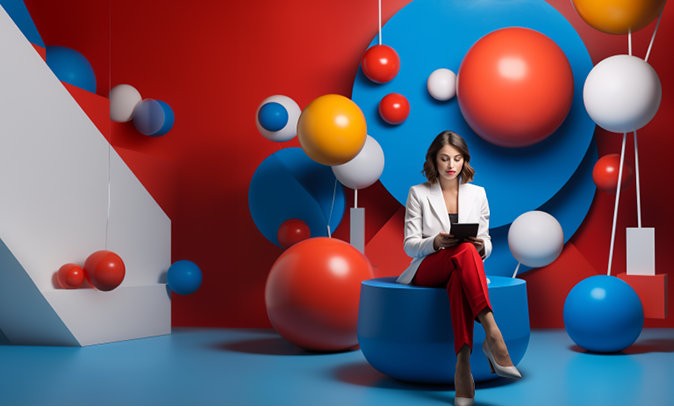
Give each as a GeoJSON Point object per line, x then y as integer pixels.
{"type": "Point", "coordinates": [437, 202]}
{"type": "Point", "coordinates": [466, 202]}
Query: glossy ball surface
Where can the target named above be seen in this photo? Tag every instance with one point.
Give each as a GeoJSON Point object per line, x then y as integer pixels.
{"type": "Point", "coordinates": [184, 277]}
{"type": "Point", "coordinates": [606, 170]}
{"type": "Point", "coordinates": [394, 108]}
{"type": "Point", "coordinates": [70, 276]}
{"type": "Point", "coordinates": [618, 16]}
{"type": "Point", "coordinates": [380, 63]}
{"type": "Point", "coordinates": [104, 270]}
{"type": "Point", "coordinates": [293, 231]}
{"type": "Point", "coordinates": [536, 239]}
{"type": "Point", "coordinates": [276, 118]}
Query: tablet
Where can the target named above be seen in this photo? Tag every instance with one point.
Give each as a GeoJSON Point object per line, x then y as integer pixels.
{"type": "Point", "coordinates": [463, 230]}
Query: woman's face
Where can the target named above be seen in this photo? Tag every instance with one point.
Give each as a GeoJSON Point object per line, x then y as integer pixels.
{"type": "Point", "coordinates": [449, 162]}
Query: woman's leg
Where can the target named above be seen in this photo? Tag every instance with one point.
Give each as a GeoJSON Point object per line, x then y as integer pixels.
{"type": "Point", "coordinates": [494, 338]}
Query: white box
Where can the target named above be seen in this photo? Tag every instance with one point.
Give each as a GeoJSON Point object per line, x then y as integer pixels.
{"type": "Point", "coordinates": [641, 251]}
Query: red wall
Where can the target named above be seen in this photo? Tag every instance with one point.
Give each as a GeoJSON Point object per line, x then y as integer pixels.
{"type": "Point", "coordinates": [214, 62]}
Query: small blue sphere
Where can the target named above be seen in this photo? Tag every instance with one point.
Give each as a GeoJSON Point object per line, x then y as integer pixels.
{"type": "Point", "coordinates": [273, 116]}
{"type": "Point", "coordinates": [184, 277]}
{"type": "Point", "coordinates": [153, 117]}
{"type": "Point", "coordinates": [603, 314]}
{"type": "Point", "coordinates": [71, 67]}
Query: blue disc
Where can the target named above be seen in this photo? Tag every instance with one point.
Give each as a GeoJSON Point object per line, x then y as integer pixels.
{"type": "Point", "coordinates": [433, 34]}
{"type": "Point", "coordinates": [273, 116]}
{"type": "Point", "coordinates": [290, 185]}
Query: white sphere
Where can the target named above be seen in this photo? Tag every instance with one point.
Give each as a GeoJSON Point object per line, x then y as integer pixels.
{"type": "Point", "coordinates": [536, 239]}
{"type": "Point", "coordinates": [622, 93]}
{"type": "Point", "coordinates": [442, 84]}
{"type": "Point", "coordinates": [290, 129]}
{"type": "Point", "coordinates": [123, 101]}
{"type": "Point", "coordinates": [364, 169]}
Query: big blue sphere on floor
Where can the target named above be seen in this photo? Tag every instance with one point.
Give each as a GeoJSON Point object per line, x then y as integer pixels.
{"type": "Point", "coordinates": [71, 67]}
{"type": "Point", "coordinates": [405, 331]}
{"type": "Point", "coordinates": [184, 277]}
{"type": "Point", "coordinates": [603, 314]}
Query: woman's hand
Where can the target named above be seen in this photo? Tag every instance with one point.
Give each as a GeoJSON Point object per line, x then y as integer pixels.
{"type": "Point", "coordinates": [444, 240]}
{"type": "Point", "coordinates": [479, 243]}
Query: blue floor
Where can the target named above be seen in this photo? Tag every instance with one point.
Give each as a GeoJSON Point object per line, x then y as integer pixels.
{"type": "Point", "coordinates": [257, 367]}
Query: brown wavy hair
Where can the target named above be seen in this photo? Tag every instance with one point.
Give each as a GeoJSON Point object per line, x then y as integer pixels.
{"type": "Point", "coordinates": [447, 137]}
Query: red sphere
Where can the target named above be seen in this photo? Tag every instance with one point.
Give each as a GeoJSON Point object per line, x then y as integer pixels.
{"type": "Point", "coordinates": [313, 291]}
{"type": "Point", "coordinates": [380, 63]}
{"type": "Point", "coordinates": [104, 270]}
{"type": "Point", "coordinates": [70, 276]}
{"type": "Point", "coordinates": [292, 231]}
{"type": "Point", "coordinates": [394, 108]}
{"type": "Point", "coordinates": [515, 87]}
{"type": "Point", "coordinates": [606, 170]}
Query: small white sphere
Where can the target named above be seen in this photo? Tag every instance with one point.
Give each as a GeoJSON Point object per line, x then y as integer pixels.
{"type": "Point", "coordinates": [364, 169]}
{"type": "Point", "coordinates": [123, 101]}
{"type": "Point", "coordinates": [536, 239]}
{"type": "Point", "coordinates": [290, 129]}
{"type": "Point", "coordinates": [442, 84]}
{"type": "Point", "coordinates": [622, 93]}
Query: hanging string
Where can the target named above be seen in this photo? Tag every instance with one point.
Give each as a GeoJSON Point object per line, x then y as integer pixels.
{"type": "Point", "coordinates": [653, 37]}
{"type": "Point", "coordinates": [636, 166]}
{"type": "Point", "coordinates": [629, 40]}
{"type": "Point", "coordinates": [334, 192]}
{"type": "Point", "coordinates": [617, 198]}
{"type": "Point", "coordinates": [379, 22]}
{"type": "Point", "coordinates": [515, 273]}
{"type": "Point", "coordinates": [107, 222]}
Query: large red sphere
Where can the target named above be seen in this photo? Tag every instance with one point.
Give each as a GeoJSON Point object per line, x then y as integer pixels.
{"type": "Point", "coordinates": [313, 291]}
{"type": "Point", "coordinates": [292, 231]}
{"type": "Point", "coordinates": [380, 63]}
{"type": "Point", "coordinates": [394, 108]}
{"type": "Point", "coordinates": [70, 276]}
{"type": "Point", "coordinates": [606, 170]}
{"type": "Point", "coordinates": [515, 87]}
{"type": "Point", "coordinates": [104, 270]}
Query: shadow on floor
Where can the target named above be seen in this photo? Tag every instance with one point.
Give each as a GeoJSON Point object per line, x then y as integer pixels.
{"type": "Point", "coordinates": [271, 346]}
{"type": "Point", "coordinates": [639, 347]}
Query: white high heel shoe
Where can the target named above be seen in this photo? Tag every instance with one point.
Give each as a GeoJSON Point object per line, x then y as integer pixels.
{"type": "Point", "coordinates": [503, 371]}
{"type": "Point", "coordinates": [465, 401]}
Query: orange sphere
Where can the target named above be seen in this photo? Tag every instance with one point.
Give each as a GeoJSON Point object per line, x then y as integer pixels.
{"type": "Point", "coordinates": [618, 16]}
{"type": "Point", "coordinates": [70, 276]}
{"type": "Point", "coordinates": [515, 87]}
{"type": "Point", "coordinates": [313, 291]}
{"type": "Point", "coordinates": [332, 130]}
{"type": "Point", "coordinates": [104, 270]}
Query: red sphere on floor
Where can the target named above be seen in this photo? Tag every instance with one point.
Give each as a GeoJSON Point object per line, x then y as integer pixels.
{"type": "Point", "coordinates": [104, 270]}
{"type": "Point", "coordinates": [313, 291]}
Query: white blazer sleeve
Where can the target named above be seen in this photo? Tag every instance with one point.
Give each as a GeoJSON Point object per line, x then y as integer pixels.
{"type": "Point", "coordinates": [483, 229]}
{"type": "Point", "coordinates": [415, 244]}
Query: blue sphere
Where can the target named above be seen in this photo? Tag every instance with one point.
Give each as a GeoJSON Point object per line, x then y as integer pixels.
{"type": "Point", "coordinates": [273, 116]}
{"type": "Point", "coordinates": [603, 314]}
{"type": "Point", "coordinates": [71, 67]}
{"type": "Point", "coordinates": [184, 277]}
{"type": "Point", "coordinates": [153, 117]}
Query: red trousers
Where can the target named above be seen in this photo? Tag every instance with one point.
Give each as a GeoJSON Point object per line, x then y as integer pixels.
{"type": "Point", "coordinates": [461, 271]}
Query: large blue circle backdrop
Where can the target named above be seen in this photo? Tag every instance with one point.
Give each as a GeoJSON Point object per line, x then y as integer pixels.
{"type": "Point", "coordinates": [433, 34]}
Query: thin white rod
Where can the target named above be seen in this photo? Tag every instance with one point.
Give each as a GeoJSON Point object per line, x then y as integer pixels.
{"type": "Point", "coordinates": [516, 268]}
{"type": "Point", "coordinates": [648, 53]}
{"type": "Point", "coordinates": [617, 199]}
{"type": "Point", "coordinates": [334, 193]}
{"type": "Point", "coordinates": [355, 198]}
{"type": "Point", "coordinates": [636, 169]}
{"type": "Point", "coordinates": [629, 40]}
{"type": "Point", "coordinates": [107, 221]}
{"type": "Point", "coordinates": [379, 22]}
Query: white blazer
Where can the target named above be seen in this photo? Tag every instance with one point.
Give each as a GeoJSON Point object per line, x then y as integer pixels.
{"type": "Point", "coordinates": [426, 216]}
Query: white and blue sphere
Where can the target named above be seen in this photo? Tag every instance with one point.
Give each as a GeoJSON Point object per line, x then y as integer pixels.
{"type": "Point", "coordinates": [364, 169]}
{"type": "Point", "coordinates": [622, 93]}
{"type": "Point", "coordinates": [603, 314]}
{"type": "Point", "coordinates": [276, 118]}
{"type": "Point", "coordinates": [153, 117]}
{"type": "Point", "coordinates": [441, 84]}
{"type": "Point", "coordinates": [123, 101]}
{"type": "Point", "coordinates": [536, 239]}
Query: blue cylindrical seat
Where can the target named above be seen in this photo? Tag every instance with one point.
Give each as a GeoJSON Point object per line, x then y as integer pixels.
{"type": "Point", "coordinates": [405, 331]}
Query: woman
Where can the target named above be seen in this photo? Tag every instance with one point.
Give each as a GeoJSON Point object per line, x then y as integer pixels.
{"type": "Point", "coordinates": [440, 260]}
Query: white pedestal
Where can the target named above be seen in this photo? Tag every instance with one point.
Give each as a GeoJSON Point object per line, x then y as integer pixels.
{"type": "Point", "coordinates": [641, 251]}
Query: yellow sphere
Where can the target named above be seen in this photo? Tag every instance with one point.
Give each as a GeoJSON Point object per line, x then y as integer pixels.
{"type": "Point", "coordinates": [332, 130]}
{"type": "Point", "coordinates": [618, 16]}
